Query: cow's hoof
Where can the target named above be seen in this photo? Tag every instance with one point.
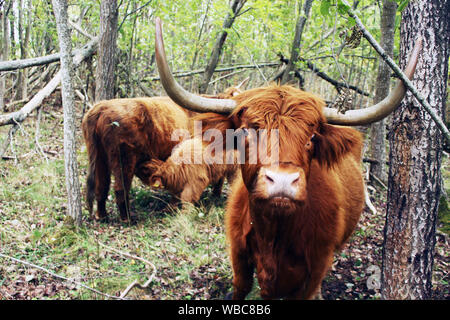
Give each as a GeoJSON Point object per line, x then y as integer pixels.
{"type": "Point", "coordinates": [101, 218]}
{"type": "Point", "coordinates": [132, 219]}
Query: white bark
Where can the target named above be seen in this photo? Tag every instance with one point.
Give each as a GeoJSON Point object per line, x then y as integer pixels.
{"type": "Point", "coordinates": [70, 156]}
{"type": "Point", "coordinates": [22, 114]}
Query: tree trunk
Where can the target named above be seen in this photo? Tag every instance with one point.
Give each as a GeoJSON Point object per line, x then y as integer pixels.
{"type": "Point", "coordinates": [5, 51]}
{"type": "Point", "coordinates": [24, 39]}
{"type": "Point", "coordinates": [106, 57]}
{"type": "Point", "coordinates": [299, 27]}
{"type": "Point", "coordinates": [70, 155]}
{"type": "Point", "coordinates": [218, 46]}
{"type": "Point", "coordinates": [414, 183]}
{"type": "Point", "coordinates": [378, 130]}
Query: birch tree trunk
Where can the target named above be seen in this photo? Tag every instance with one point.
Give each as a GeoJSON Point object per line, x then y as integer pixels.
{"type": "Point", "coordinates": [106, 55]}
{"type": "Point", "coordinates": [70, 156]}
{"type": "Point", "coordinates": [414, 183]}
{"type": "Point", "coordinates": [5, 50]}
{"type": "Point", "coordinates": [378, 130]}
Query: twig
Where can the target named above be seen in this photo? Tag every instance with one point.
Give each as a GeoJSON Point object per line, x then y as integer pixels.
{"type": "Point", "coordinates": [80, 30]}
{"type": "Point", "coordinates": [408, 83]}
{"type": "Point", "coordinates": [181, 74]}
{"type": "Point", "coordinates": [378, 180]}
{"type": "Point", "coordinates": [37, 133]}
{"type": "Point", "coordinates": [250, 54]}
{"type": "Point", "coordinates": [8, 140]}
{"type": "Point", "coordinates": [226, 76]}
{"type": "Point", "coordinates": [134, 11]}
{"type": "Point", "coordinates": [59, 276]}
{"type": "Point", "coordinates": [135, 283]}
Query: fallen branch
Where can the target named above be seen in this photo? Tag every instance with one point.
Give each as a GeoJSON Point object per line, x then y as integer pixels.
{"type": "Point", "coordinates": [378, 180]}
{"type": "Point", "coordinates": [181, 74]}
{"type": "Point", "coordinates": [335, 83]}
{"type": "Point", "coordinates": [31, 62]}
{"type": "Point", "coordinates": [29, 264]}
{"type": "Point", "coordinates": [22, 114]}
{"type": "Point", "coordinates": [135, 283]}
{"type": "Point", "coordinates": [408, 83]}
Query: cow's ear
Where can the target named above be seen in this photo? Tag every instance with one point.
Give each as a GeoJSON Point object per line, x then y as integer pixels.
{"type": "Point", "coordinates": [236, 118]}
{"type": "Point", "coordinates": [331, 143]}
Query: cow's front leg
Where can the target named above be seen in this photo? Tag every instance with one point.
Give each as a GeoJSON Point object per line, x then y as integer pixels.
{"type": "Point", "coordinates": [242, 272]}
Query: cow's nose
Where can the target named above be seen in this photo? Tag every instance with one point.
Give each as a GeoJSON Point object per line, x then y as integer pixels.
{"type": "Point", "coordinates": [281, 184]}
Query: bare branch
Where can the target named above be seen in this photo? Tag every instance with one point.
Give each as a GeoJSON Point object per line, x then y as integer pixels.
{"type": "Point", "coordinates": [134, 283]}
{"type": "Point", "coordinates": [408, 83]}
{"type": "Point", "coordinates": [22, 114]}
{"type": "Point", "coordinates": [29, 264]}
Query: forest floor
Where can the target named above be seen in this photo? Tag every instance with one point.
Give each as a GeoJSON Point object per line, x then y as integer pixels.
{"type": "Point", "coordinates": [187, 248]}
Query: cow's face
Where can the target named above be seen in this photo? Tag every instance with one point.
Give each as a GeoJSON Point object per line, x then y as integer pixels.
{"type": "Point", "coordinates": [281, 180]}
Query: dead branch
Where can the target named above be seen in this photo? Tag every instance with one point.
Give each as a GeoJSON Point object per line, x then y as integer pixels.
{"type": "Point", "coordinates": [80, 30]}
{"type": "Point", "coordinates": [7, 141]}
{"type": "Point", "coordinates": [22, 114]}
{"type": "Point", "coordinates": [135, 283]}
{"type": "Point", "coordinates": [29, 264]}
{"type": "Point", "coordinates": [37, 133]}
{"type": "Point", "coordinates": [181, 74]}
{"type": "Point", "coordinates": [327, 78]}
{"type": "Point", "coordinates": [31, 62]}
{"type": "Point", "coordinates": [408, 83]}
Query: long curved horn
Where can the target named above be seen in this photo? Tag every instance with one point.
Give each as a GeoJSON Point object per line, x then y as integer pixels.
{"type": "Point", "coordinates": [383, 108]}
{"type": "Point", "coordinates": [179, 94]}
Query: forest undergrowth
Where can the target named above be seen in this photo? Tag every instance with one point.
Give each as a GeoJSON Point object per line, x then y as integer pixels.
{"type": "Point", "coordinates": [184, 253]}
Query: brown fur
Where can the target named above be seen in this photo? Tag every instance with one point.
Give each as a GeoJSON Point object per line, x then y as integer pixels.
{"type": "Point", "coordinates": [121, 134]}
{"type": "Point", "coordinates": [187, 181]}
{"type": "Point", "coordinates": [291, 243]}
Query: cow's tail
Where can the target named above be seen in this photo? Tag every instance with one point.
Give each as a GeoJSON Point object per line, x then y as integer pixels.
{"type": "Point", "coordinates": [91, 140]}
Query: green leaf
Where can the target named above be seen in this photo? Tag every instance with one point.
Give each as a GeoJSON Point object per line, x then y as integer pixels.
{"type": "Point", "coordinates": [402, 5]}
{"type": "Point", "coordinates": [342, 7]}
{"type": "Point", "coordinates": [325, 7]}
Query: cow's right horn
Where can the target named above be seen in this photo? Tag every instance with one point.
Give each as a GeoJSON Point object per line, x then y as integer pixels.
{"type": "Point", "coordinates": [176, 92]}
{"type": "Point", "coordinates": [383, 108]}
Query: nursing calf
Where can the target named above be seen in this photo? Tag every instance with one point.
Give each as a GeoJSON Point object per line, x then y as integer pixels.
{"type": "Point", "coordinates": [190, 169]}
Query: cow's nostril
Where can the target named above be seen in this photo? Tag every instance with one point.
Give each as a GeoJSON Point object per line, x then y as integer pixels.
{"type": "Point", "coordinates": [269, 179]}
{"type": "Point", "coordinates": [295, 181]}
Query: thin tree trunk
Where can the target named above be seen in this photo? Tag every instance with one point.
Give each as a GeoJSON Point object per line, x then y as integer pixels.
{"type": "Point", "coordinates": [70, 155]}
{"type": "Point", "coordinates": [106, 57]}
{"type": "Point", "coordinates": [378, 129]}
{"type": "Point", "coordinates": [5, 51]}
{"type": "Point", "coordinates": [218, 46]}
{"type": "Point", "coordinates": [414, 184]}
{"type": "Point", "coordinates": [295, 50]}
{"type": "Point", "coordinates": [24, 39]}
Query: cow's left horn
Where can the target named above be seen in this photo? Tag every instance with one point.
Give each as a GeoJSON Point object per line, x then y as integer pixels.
{"type": "Point", "coordinates": [176, 92]}
{"type": "Point", "coordinates": [383, 108]}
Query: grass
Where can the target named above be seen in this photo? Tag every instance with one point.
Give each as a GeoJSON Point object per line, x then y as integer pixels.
{"type": "Point", "coordinates": [187, 247]}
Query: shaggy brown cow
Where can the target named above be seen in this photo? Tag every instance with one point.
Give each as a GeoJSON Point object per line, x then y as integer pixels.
{"type": "Point", "coordinates": [186, 179]}
{"type": "Point", "coordinates": [286, 218]}
{"type": "Point", "coordinates": [122, 134]}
